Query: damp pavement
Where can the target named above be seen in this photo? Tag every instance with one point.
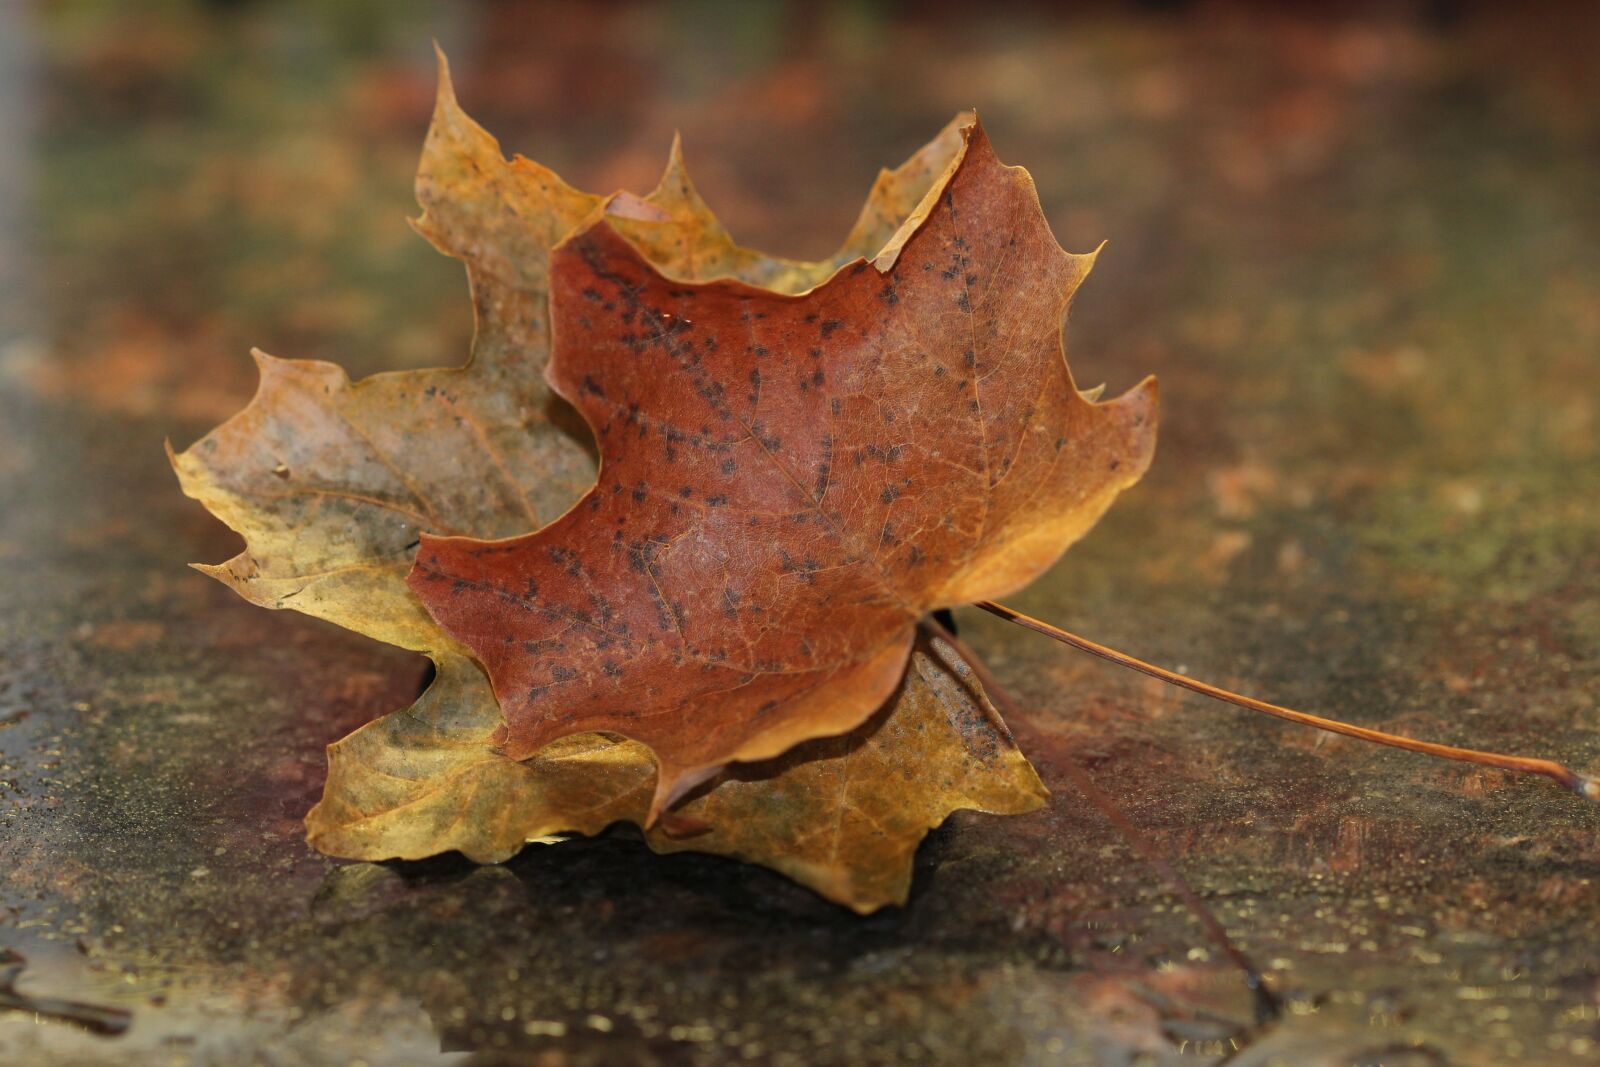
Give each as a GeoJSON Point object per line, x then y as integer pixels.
{"type": "Point", "coordinates": [1362, 255]}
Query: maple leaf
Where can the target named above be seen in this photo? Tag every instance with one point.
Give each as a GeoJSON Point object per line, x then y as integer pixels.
{"type": "Point", "coordinates": [330, 481]}
{"type": "Point", "coordinates": [789, 483]}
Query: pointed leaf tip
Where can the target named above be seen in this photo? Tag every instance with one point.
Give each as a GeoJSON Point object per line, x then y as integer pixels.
{"type": "Point", "coordinates": [446, 90]}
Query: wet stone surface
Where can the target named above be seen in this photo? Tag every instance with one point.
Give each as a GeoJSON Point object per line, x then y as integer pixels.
{"type": "Point", "coordinates": [1362, 257]}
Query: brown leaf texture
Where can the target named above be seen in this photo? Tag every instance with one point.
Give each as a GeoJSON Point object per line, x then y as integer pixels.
{"type": "Point", "coordinates": [788, 483]}
{"type": "Point", "coordinates": [331, 481]}
{"type": "Point", "coordinates": [842, 815]}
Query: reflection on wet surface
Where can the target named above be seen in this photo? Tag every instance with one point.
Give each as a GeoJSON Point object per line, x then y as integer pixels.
{"type": "Point", "coordinates": [108, 1022]}
{"type": "Point", "coordinates": [1360, 254]}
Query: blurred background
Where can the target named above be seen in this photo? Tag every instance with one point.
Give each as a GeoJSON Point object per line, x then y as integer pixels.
{"type": "Point", "coordinates": [1359, 244]}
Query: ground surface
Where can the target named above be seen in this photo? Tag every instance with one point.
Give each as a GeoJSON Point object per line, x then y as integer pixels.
{"type": "Point", "coordinates": [1362, 254]}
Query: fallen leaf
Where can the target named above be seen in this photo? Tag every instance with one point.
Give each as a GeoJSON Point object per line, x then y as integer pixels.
{"type": "Point", "coordinates": [842, 815]}
{"type": "Point", "coordinates": [789, 483]}
{"type": "Point", "coordinates": [330, 481]}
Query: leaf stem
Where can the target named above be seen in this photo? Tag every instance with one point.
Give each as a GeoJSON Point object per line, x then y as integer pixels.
{"type": "Point", "coordinates": [1267, 1005]}
{"type": "Point", "coordinates": [1560, 773]}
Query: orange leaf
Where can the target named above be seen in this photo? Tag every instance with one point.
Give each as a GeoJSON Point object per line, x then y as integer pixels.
{"type": "Point", "coordinates": [788, 483]}
{"type": "Point", "coordinates": [330, 481]}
